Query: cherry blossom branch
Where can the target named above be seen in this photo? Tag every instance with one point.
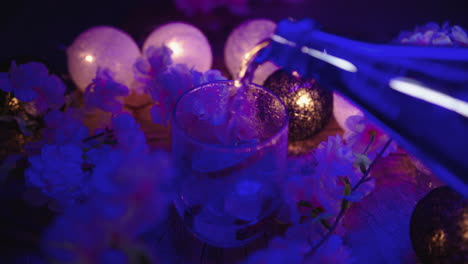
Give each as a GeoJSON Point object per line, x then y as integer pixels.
{"type": "Point", "coordinates": [345, 204]}
{"type": "Point", "coordinates": [366, 177]}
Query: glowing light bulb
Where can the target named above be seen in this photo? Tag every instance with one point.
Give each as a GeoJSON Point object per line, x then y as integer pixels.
{"type": "Point", "coordinates": [89, 58]}
{"type": "Point", "coordinates": [342, 109]}
{"type": "Point", "coordinates": [188, 44]}
{"type": "Point", "coordinates": [242, 39]}
{"type": "Point", "coordinates": [176, 48]}
{"type": "Point", "coordinates": [304, 100]}
{"type": "Point", "coordinates": [102, 46]}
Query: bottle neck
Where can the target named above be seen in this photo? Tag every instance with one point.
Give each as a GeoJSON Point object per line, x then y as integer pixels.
{"type": "Point", "coordinates": [417, 94]}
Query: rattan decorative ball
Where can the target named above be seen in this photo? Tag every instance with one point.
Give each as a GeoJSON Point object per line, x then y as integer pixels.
{"type": "Point", "coordinates": [439, 227]}
{"type": "Point", "coordinates": [310, 107]}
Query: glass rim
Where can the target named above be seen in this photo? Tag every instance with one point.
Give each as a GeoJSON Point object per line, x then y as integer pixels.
{"type": "Point", "coordinates": [260, 145]}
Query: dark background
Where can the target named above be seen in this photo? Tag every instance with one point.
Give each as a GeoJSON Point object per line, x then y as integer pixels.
{"type": "Point", "coordinates": [41, 30]}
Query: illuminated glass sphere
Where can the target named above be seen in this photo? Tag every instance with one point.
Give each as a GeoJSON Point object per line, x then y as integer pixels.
{"type": "Point", "coordinates": [102, 46]}
{"type": "Point", "coordinates": [188, 44]}
{"type": "Point", "coordinates": [309, 106]}
{"type": "Point", "coordinates": [439, 226]}
{"type": "Point", "coordinates": [342, 109]}
{"type": "Point", "coordinates": [241, 40]}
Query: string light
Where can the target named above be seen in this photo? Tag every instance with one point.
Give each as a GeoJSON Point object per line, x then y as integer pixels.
{"type": "Point", "coordinates": [188, 44]}
{"type": "Point", "coordinates": [104, 47]}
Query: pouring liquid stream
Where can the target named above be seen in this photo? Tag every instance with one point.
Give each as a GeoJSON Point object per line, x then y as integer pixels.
{"type": "Point", "coordinates": [240, 89]}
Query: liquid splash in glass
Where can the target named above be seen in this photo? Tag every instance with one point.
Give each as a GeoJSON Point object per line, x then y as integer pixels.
{"type": "Point", "coordinates": [229, 145]}
{"type": "Point", "coordinates": [241, 85]}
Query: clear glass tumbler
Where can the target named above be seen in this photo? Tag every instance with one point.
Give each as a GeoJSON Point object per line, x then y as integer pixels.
{"type": "Point", "coordinates": [230, 164]}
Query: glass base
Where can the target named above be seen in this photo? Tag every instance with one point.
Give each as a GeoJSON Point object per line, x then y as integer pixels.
{"type": "Point", "coordinates": [216, 232]}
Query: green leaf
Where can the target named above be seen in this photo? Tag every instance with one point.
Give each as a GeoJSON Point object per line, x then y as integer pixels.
{"type": "Point", "coordinates": [362, 161]}
{"type": "Point", "coordinates": [347, 191]}
{"type": "Point", "coordinates": [322, 218]}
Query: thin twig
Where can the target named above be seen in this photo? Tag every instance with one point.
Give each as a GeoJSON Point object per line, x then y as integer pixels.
{"type": "Point", "coordinates": [363, 179]}
{"type": "Point", "coordinates": [94, 137]}
{"type": "Point", "coordinates": [366, 174]}
{"type": "Point", "coordinates": [368, 145]}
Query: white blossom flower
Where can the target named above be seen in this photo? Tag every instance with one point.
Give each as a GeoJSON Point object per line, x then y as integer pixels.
{"type": "Point", "coordinates": [58, 172]}
{"type": "Point", "coordinates": [366, 138]}
{"type": "Point", "coordinates": [64, 127]}
{"type": "Point", "coordinates": [335, 162]}
{"type": "Point", "coordinates": [433, 34]}
{"type": "Point", "coordinates": [128, 133]}
{"type": "Point", "coordinates": [166, 82]}
{"type": "Point", "coordinates": [134, 180]}
{"type": "Point", "coordinates": [323, 186]}
{"type": "Point", "coordinates": [104, 93]}
{"type": "Point", "coordinates": [88, 233]}
{"type": "Point", "coordinates": [458, 34]}
{"type": "Point", "coordinates": [296, 246]}
{"type": "Point", "coordinates": [32, 84]}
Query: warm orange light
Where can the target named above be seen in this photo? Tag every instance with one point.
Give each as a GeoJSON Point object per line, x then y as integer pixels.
{"type": "Point", "coordinates": [89, 58]}
{"type": "Point", "coordinates": [177, 49]}
{"type": "Point", "coordinates": [304, 100]}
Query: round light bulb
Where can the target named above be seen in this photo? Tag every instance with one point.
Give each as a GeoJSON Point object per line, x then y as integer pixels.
{"type": "Point", "coordinates": [342, 109]}
{"type": "Point", "coordinates": [241, 40]}
{"type": "Point", "coordinates": [104, 47]}
{"type": "Point", "coordinates": [188, 44]}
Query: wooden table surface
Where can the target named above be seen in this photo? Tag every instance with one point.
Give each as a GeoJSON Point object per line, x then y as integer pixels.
{"type": "Point", "coordinates": [378, 226]}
